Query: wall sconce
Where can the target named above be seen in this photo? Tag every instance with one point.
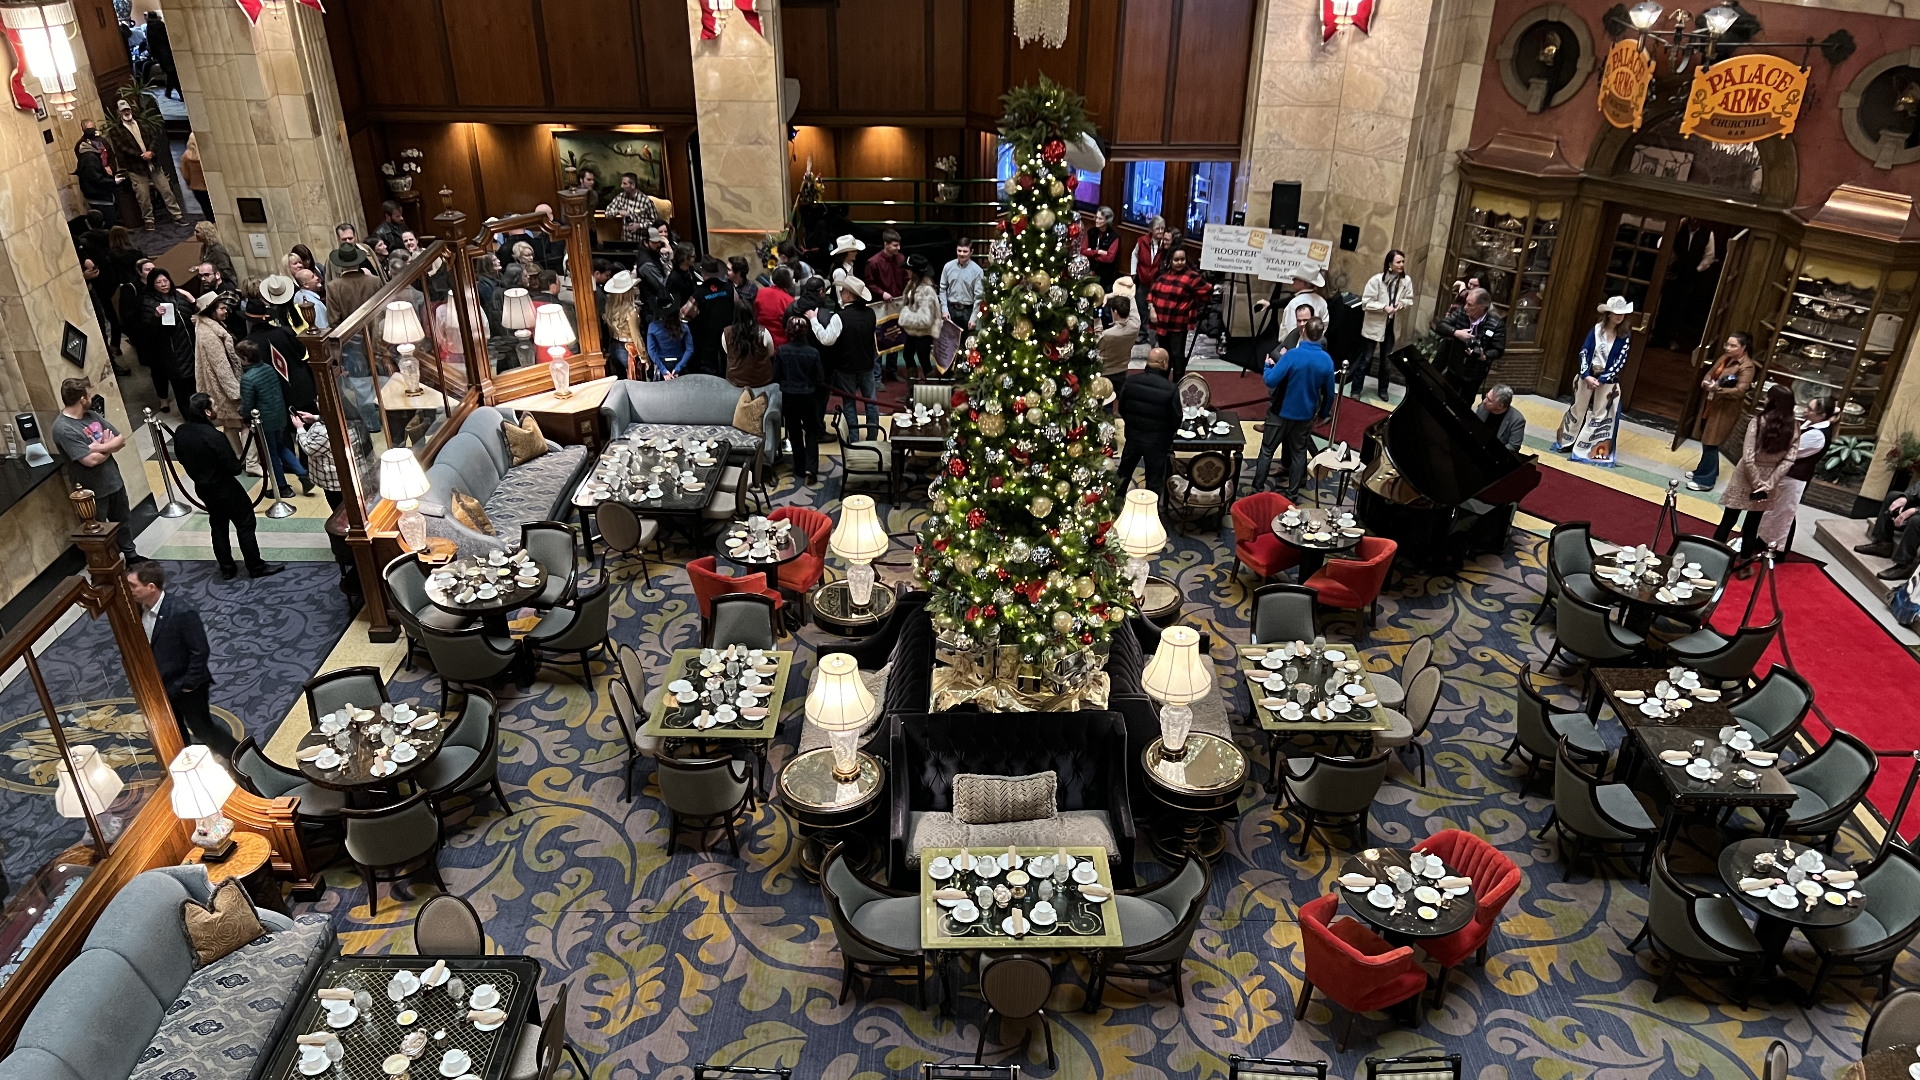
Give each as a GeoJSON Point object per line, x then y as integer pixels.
{"type": "Point", "coordinates": [1337, 15]}
{"type": "Point", "coordinates": [1683, 44]}
{"type": "Point", "coordinates": [41, 44]}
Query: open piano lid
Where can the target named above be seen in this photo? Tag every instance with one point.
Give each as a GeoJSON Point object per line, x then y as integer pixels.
{"type": "Point", "coordinates": [1441, 448]}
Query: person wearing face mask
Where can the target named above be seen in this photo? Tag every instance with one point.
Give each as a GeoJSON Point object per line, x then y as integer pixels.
{"type": "Point", "coordinates": [141, 154]}
{"type": "Point", "coordinates": [93, 167]}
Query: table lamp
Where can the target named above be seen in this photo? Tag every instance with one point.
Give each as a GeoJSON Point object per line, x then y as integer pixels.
{"type": "Point", "coordinates": [96, 788]}
{"type": "Point", "coordinates": [516, 314]}
{"type": "Point", "coordinates": [404, 482]}
{"type": "Point", "coordinates": [859, 539]}
{"type": "Point", "coordinates": [200, 790]}
{"type": "Point", "coordinates": [1140, 534]}
{"type": "Point", "coordinates": [552, 332]}
{"type": "Point", "coordinates": [1177, 675]}
{"type": "Point", "coordinates": [840, 704]}
{"type": "Point", "coordinates": [400, 329]}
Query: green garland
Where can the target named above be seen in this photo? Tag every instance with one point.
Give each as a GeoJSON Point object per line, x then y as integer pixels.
{"type": "Point", "coordinates": [1016, 549]}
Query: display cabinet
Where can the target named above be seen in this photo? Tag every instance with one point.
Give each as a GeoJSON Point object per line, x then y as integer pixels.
{"type": "Point", "coordinates": [1507, 241]}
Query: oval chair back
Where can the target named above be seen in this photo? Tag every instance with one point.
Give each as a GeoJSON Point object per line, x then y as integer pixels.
{"type": "Point", "coordinates": [1895, 1022]}
{"type": "Point", "coordinates": [1283, 612]}
{"type": "Point", "coordinates": [330, 690]}
{"type": "Point", "coordinates": [1570, 548]}
{"type": "Point", "coordinates": [1423, 695]}
{"type": "Point", "coordinates": [1672, 920]}
{"type": "Point", "coordinates": [1531, 726]}
{"type": "Point", "coordinates": [1775, 709]}
{"type": "Point", "coordinates": [1419, 656]}
{"type": "Point", "coordinates": [1775, 1064]}
{"type": "Point", "coordinates": [1741, 655]}
{"type": "Point", "coordinates": [619, 525]}
{"type": "Point", "coordinates": [742, 618]}
{"type": "Point", "coordinates": [1016, 986]}
{"type": "Point", "coordinates": [553, 545]}
{"type": "Point", "coordinates": [447, 925]}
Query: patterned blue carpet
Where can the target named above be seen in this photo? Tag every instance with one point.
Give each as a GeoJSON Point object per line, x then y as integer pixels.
{"type": "Point", "coordinates": [677, 957]}
{"type": "Point", "coordinates": [266, 638]}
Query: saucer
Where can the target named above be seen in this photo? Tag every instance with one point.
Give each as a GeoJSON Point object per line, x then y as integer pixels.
{"type": "Point", "coordinates": [404, 752]}
{"type": "Point", "coordinates": [967, 912]}
{"type": "Point", "coordinates": [454, 1062]}
{"type": "Point", "coordinates": [314, 1064]}
{"type": "Point", "coordinates": [327, 760]}
{"type": "Point", "coordinates": [484, 996]}
{"type": "Point", "coordinates": [1043, 914]}
{"type": "Point", "coordinates": [938, 872]}
{"type": "Point", "coordinates": [1084, 872]}
{"type": "Point", "coordinates": [1429, 913]}
{"type": "Point", "coordinates": [339, 1018]}
{"type": "Point", "coordinates": [1380, 898]}
{"type": "Point", "coordinates": [1427, 894]}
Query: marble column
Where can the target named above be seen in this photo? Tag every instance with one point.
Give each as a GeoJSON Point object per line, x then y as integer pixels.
{"type": "Point", "coordinates": [1369, 124]}
{"type": "Point", "coordinates": [41, 291]}
{"type": "Point", "coordinates": [265, 105]}
{"type": "Point", "coordinates": [743, 135]}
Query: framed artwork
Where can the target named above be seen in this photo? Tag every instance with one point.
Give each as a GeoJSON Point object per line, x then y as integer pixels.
{"type": "Point", "coordinates": [1662, 163]}
{"type": "Point", "coordinates": [610, 153]}
{"type": "Point", "coordinates": [73, 345]}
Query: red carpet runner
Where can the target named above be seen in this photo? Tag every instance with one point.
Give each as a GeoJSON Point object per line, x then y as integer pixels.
{"type": "Point", "coordinates": [1862, 679]}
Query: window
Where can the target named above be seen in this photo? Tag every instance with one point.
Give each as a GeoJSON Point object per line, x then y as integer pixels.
{"type": "Point", "coordinates": [1507, 243]}
{"type": "Point", "coordinates": [1145, 187]}
{"type": "Point", "coordinates": [1209, 196]}
{"type": "Point", "coordinates": [1003, 155]}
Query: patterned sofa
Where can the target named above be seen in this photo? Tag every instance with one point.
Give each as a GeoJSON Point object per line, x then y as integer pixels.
{"type": "Point", "coordinates": [475, 461]}
{"type": "Point", "coordinates": [132, 1006]}
{"type": "Point", "coordinates": [697, 405]}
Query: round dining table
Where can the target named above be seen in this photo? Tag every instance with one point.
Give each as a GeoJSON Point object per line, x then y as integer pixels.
{"type": "Point", "coordinates": [355, 771]}
{"type": "Point", "coordinates": [1886, 1063]}
{"type": "Point", "coordinates": [1646, 596]}
{"type": "Point", "coordinates": [1774, 925]}
{"type": "Point", "coordinates": [491, 611]}
{"type": "Point", "coordinates": [1329, 539]}
{"type": "Point", "coordinates": [789, 546]}
{"type": "Point", "coordinates": [1405, 925]}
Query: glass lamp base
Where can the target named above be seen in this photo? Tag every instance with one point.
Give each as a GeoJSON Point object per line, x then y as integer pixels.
{"type": "Point", "coordinates": [846, 755]}
{"type": "Point", "coordinates": [413, 526]}
{"type": "Point", "coordinates": [1137, 569]}
{"type": "Point", "coordinates": [860, 583]}
{"type": "Point", "coordinates": [1175, 722]}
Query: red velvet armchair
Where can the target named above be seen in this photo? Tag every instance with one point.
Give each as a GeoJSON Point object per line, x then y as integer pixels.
{"type": "Point", "coordinates": [1253, 541]}
{"type": "Point", "coordinates": [1355, 584]}
{"type": "Point", "coordinates": [708, 583]}
{"type": "Point", "coordinates": [1354, 966]}
{"type": "Point", "coordinates": [803, 573]}
{"type": "Point", "coordinates": [1495, 880]}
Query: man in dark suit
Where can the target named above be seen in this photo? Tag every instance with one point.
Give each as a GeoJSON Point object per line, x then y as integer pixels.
{"type": "Point", "coordinates": [1151, 409]}
{"type": "Point", "coordinates": [180, 651]}
{"type": "Point", "coordinates": [1473, 337]}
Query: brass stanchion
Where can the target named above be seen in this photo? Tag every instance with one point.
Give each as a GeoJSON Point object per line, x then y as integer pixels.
{"type": "Point", "coordinates": [270, 471]}
{"type": "Point", "coordinates": [157, 431]}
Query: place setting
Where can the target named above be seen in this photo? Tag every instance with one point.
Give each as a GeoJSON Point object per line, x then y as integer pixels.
{"type": "Point", "coordinates": [434, 1021]}
{"type": "Point", "coordinates": [1795, 880]}
{"type": "Point", "coordinates": [1670, 698]}
{"type": "Point", "coordinates": [353, 744]}
{"type": "Point", "coordinates": [1298, 681]}
{"type": "Point", "coordinates": [1734, 750]}
{"type": "Point", "coordinates": [921, 415]}
{"type": "Point", "coordinates": [500, 576]}
{"type": "Point", "coordinates": [1009, 895]}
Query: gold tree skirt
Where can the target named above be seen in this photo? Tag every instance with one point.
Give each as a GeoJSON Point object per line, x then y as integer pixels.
{"type": "Point", "coordinates": [971, 685]}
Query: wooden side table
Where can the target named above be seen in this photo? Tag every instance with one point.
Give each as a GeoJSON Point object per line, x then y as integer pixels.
{"type": "Point", "coordinates": [1197, 788]}
{"type": "Point", "coordinates": [827, 810]}
{"type": "Point", "coordinates": [248, 864]}
{"type": "Point", "coordinates": [573, 420]}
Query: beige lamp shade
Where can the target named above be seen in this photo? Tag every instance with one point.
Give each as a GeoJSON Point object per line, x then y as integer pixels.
{"type": "Point", "coordinates": [839, 700]}
{"type": "Point", "coordinates": [401, 325]}
{"type": "Point", "coordinates": [401, 477]}
{"type": "Point", "coordinates": [1178, 674]}
{"type": "Point", "coordinates": [516, 311]}
{"type": "Point", "coordinates": [98, 784]}
{"type": "Point", "coordinates": [200, 785]}
{"type": "Point", "coordinates": [550, 327]}
{"type": "Point", "coordinates": [1138, 529]}
{"type": "Point", "coordinates": [859, 536]}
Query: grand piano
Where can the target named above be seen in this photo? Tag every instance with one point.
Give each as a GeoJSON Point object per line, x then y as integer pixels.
{"type": "Point", "coordinates": [1434, 479]}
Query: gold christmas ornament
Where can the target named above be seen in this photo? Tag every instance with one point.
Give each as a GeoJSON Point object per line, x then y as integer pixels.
{"type": "Point", "coordinates": [993, 425]}
{"type": "Point", "coordinates": [1044, 217]}
{"type": "Point", "coordinates": [1041, 506]}
{"type": "Point", "coordinates": [1058, 190]}
{"type": "Point", "coordinates": [1083, 588]}
{"type": "Point", "coordinates": [1073, 322]}
{"type": "Point", "coordinates": [1022, 328]}
{"type": "Point", "coordinates": [965, 562]}
{"type": "Point", "coordinates": [1036, 417]}
{"type": "Point", "coordinates": [1058, 580]}
{"type": "Point", "coordinates": [1009, 279]}
{"type": "Point", "coordinates": [1032, 399]}
{"type": "Point", "coordinates": [1063, 621]}
{"type": "Point", "coordinates": [1100, 388]}
{"type": "Point", "coordinates": [1039, 280]}
{"type": "Point", "coordinates": [1073, 450]}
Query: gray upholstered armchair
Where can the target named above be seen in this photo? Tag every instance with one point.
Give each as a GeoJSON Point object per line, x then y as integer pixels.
{"type": "Point", "coordinates": [1331, 790]}
{"type": "Point", "coordinates": [1156, 929]}
{"type": "Point", "coordinates": [1699, 930]}
{"type": "Point", "coordinates": [878, 929]}
{"type": "Point", "coordinates": [1588, 811]}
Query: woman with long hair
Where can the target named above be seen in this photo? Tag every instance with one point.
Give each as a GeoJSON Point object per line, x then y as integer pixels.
{"type": "Point", "coordinates": [623, 319]}
{"type": "Point", "coordinates": [670, 344]}
{"type": "Point", "coordinates": [216, 368]}
{"type": "Point", "coordinates": [748, 348]}
{"type": "Point", "coordinates": [1771, 441]}
{"type": "Point", "coordinates": [1589, 429]}
{"type": "Point", "coordinates": [1725, 386]}
{"type": "Point", "coordinates": [213, 251]}
{"type": "Point", "coordinates": [920, 319]}
{"type": "Point", "coordinates": [166, 317]}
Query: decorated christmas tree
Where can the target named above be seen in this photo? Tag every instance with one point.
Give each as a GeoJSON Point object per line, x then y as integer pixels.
{"type": "Point", "coordinates": [1016, 550]}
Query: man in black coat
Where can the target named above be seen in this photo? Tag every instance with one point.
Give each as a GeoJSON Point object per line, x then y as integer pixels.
{"type": "Point", "coordinates": [180, 651]}
{"type": "Point", "coordinates": [1473, 337]}
{"type": "Point", "coordinates": [1151, 408]}
{"type": "Point", "coordinates": [203, 451]}
{"type": "Point", "coordinates": [270, 335]}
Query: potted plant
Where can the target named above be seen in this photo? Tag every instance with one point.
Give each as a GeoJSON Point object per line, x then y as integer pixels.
{"type": "Point", "coordinates": [400, 174]}
{"type": "Point", "coordinates": [1904, 457]}
{"type": "Point", "coordinates": [1846, 459]}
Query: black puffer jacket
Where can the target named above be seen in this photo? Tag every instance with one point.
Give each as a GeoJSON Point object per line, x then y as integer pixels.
{"type": "Point", "coordinates": [1151, 408]}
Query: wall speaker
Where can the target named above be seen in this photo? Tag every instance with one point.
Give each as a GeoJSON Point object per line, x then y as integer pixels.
{"type": "Point", "coordinates": [1284, 210]}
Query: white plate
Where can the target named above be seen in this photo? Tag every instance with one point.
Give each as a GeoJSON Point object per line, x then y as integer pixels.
{"type": "Point", "coordinates": [1273, 661]}
{"type": "Point", "coordinates": [1435, 870]}
{"type": "Point", "coordinates": [484, 996]}
{"type": "Point", "coordinates": [966, 914]}
{"type": "Point", "coordinates": [1653, 708]}
{"type": "Point", "coordinates": [1291, 711]}
{"type": "Point", "coordinates": [404, 752]}
{"type": "Point", "coordinates": [425, 723]}
{"type": "Point", "coordinates": [314, 1064]}
{"type": "Point", "coordinates": [1085, 873]}
{"type": "Point", "coordinates": [1354, 690]}
{"type": "Point", "coordinates": [1427, 894]}
{"type": "Point", "coordinates": [1222, 428]}
{"type": "Point", "coordinates": [1809, 888]}
{"type": "Point", "coordinates": [1691, 571]}
{"type": "Point", "coordinates": [1429, 913]}
{"type": "Point", "coordinates": [1006, 925]}
{"type": "Point", "coordinates": [1340, 705]}
{"type": "Point", "coordinates": [938, 873]}
{"type": "Point", "coordinates": [1380, 900]}
{"type": "Point", "coordinates": [495, 1026]}
{"type": "Point", "coordinates": [1334, 656]}
{"type": "Point", "coordinates": [1811, 862]}
{"type": "Point", "coordinates": [339, 1018]}
{"type": "Point", "coordinates": [1784, 898]}
{"type": "Point", "coordinates": [1836, 899]}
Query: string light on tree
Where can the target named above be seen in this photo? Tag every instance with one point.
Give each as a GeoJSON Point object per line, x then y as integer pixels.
{"type": "Point", "coordinates": [1017, 548]}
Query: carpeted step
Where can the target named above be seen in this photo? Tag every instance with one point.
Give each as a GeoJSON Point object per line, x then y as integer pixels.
{"type": "Point", "coordinates": [1839, 535]}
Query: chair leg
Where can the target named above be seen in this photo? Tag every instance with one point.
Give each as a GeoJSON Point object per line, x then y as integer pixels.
{"type": "Point", "coordinates": [373, 889]}
{"type": "Point", "coordinates": [500, 793]}
{"type": "Point", "coordinates": [1306, 833]}
{"type": "Point", "coordinates": [1666, 981]}
{"type": "Point", "coordinates": [1480, 957]}
{"type": "Point", "coordinates": [980, 1047]}
{"type": "Point", "coordinates": [1345, 1033]}
{"type": "Point", "coordinates": [1639, 937]}
{"type": "Point", "coordinates": [1820, 977]}
{"type": "Point", "coordinates": [1511, 747]}
{"type": "Point", "coordinates": [1420, 752]}
{"type": "Point", "coordinates": [1046, 1028]}
{"type": "Point", "coordinates": [846, 979]}
{"type": "Point", "coordinates": [1306, 995]}
{"type": "Point", "coordinates": [733, 841]}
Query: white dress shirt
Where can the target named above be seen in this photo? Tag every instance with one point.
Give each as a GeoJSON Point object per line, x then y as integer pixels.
{"type": "Point", "coordinates": [152, 615]}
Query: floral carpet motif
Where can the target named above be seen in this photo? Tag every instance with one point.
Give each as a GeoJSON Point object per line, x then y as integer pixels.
{"type": "Point", "coordinates": [675, 957]}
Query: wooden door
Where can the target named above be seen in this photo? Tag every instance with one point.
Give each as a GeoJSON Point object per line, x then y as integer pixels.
{"type": "Point", "coordinates": [1719, 313]}
{"type": "Point", "coordinates": [1633, 261]}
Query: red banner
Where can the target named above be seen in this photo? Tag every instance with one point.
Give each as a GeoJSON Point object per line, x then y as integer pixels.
{"type": "Point", "coordinates": [713, 15]}
{"type": "Point", "coordinates": [252, 8]}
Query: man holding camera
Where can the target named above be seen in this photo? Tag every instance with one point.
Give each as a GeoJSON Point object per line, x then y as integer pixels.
{"type": "Point", "coordinates": [1473, 336]}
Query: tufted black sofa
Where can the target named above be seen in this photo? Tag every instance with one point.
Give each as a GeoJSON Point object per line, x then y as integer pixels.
{"type": "Point", "coordinates": [1086, 751]}
{"type": "Point", "coordinates": [904, 645]}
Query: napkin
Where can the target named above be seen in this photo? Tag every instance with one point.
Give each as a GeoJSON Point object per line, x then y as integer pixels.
{"type": "Point", "coordinates": [1675, 757]}
{"type": "Point", "coordinates": [1357, 881]}
{"type": "Point", "coordinates": [1842, 877]}
{"type": "Point", "coordinates": [487, 1016]}
{"type": "Point", "coordinates": [1762, 757]}
{"type": "Point", "coordinates": [1095, 892]}
{"type": "Point", "coordinates": [1749, 884]}
{"type": "Point", "coordinates": [1456, 882]}
{"type": "Point", "coordinates": [1018, 922]}
{"type": "Point", "coordinates": [949, 894]}
{"type": "Point", "coordinates": [308, 754]}
{"type": "Point", "coordinates": [318, 1038]}
{"type": "Point", "coordinates": [331, 993]}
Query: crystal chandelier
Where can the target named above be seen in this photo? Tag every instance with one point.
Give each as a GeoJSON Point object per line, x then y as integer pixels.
{"type": "Point", "coordinates": [1044, 21]}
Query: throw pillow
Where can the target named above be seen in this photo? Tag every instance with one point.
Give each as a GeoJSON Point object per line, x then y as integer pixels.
{"type": "Point", "coordinates": [524, 443]}
{"type": "Point", "coordinates": [468, 511]}
{"type": "Point", "coordinates": [225, 924]}
{"type": "Point", "coordinates": [990, 800]}
{"type": "Point", "coordinates": [749, 413]}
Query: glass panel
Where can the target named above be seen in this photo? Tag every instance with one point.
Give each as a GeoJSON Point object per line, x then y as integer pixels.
{"type": "Point", "coordinates": [1003, 162]}
{"type": "Point", "coordinates": [1660, 153]}
{"type": "Point", "coordinates": [1211, 193]}
{"type": "Point", "coordinates": [1146, 183]}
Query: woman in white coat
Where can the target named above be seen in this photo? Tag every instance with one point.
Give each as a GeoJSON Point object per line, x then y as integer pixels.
{"type": "Point", "coordinates": [1387, 294]}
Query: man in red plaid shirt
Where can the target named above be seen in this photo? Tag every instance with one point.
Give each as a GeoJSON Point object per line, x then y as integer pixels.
{"type": "Point", "coordinates": [1178, 295]}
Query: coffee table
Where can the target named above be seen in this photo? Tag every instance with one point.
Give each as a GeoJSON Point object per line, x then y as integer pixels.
{"type": "Point", "coordinates": [917, 440]}
{"type": "Point", "coordinates": [1641, 597]}
{"type": "Point", "coordinates": [1770, 794]}
{"type": "Point", "coordinates": [789, 548]}
{"type": "Point", "coordinates": [368, 1044]}
{"type": "Point", "coordinates": [1360, 723]}
{"type": "Point", "coordinates": [674, 722]}
{"type": "Point", "coordinates": [610, 479]}
{"type": "Point", "coordinates": [834, 610]}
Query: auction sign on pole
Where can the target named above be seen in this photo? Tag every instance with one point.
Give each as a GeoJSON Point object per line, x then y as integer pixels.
{"type": "Point", "coordinates": [1745, 99]}
{"type": "Point", "coordinates": [1623, 85]}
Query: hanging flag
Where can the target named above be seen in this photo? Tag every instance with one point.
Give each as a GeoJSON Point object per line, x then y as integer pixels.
{"type": "Point", "coordinates": [279, 363]}
{"type": "Point", "coordinates": [252, 8]}
{"type": "Point", "coordinates": [713, 16]}
{"type": "Point", "coordinates": [1623, 85]}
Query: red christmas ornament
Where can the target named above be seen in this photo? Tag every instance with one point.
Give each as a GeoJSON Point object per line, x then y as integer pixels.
{"type": "Point", "coordinates": [973, 612]}
{"type": "Point", "coordinates": [1003, 574]}
{"type": "Point", "coordinates": [1063, 337]}
{"type": "Point", "coordinates": [1053, 352]}
{"type": "Point", "coordinates": [996, 482]}
{"type": "Point", "coordinates": [1078, 429]}
{"type": "Point", "coordinates": [1086, 639]}
{"type": "Point", "coordinates": [1023, 180]}
{"type": "Point", "coordinates": [973, 414]}
{"type": "Point", "coordinates": [1073, 229]}
{"type": "Point", "coordinates": [990, 611]}
{"type": "Point", "coordinates": [976, 518]}
{"type": "Point", "coordinates": [1055, 151]}
{"type": "Point", "coordinates": [957, 467]}
{"type": "Point", "coordinates": [973, 355]}
{"type": "Point", "coordinates": [1073, 380]}
{"type": "Point", "coordinates": [1093, 496]}
{"type": "Point", "coordinates": [1019, 222]}
{"type": "Point", "coordinates": [940, 544]}
{"type": "Point", "coordinates": [959, 396]}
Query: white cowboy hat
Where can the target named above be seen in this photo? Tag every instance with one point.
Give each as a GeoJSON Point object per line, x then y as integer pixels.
{"type": "Point", "coordinates": [1122, 287]}
{"type": "Point", "coordinates": [624, 281]}
{"type": "Point", "coordinates": [1318, 280]}
{"type": "Point", "coordinates": [277, 289]}
{"type": "Point", "coordinates": [1617, 305]}
{"type": "Point", "coordinates": [846, 243]}
{"type": "Point", "coordinates": [854, 285]}
{"type": "Point", "coordinates": [207, 300]}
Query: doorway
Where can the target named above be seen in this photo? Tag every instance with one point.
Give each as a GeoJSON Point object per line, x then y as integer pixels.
{"type": "Point", "coordinates": [1670, 266]}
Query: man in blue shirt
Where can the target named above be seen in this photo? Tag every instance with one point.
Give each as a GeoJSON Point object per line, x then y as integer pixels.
{"type": "Point", "coordinates": [1301, 386]}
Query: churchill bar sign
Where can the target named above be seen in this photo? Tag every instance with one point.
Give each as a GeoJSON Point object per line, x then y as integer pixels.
{"type": "Point", "coordinates": [1623, 88]}
{"type": "Point", "coordinates": [1745, 99]}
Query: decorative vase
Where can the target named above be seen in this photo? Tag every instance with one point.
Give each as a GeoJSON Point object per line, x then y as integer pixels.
{"type": "Point", "coordinates": [946, 193]}
{"type": "Point", "coordinates": [400, 185]}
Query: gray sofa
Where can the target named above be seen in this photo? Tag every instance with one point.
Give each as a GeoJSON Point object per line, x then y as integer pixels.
{"type": "Point", "coordinates": [475, 461]}
{"type": "Point", "coordinates": [131, 1006]}
{"type": "Point", "coordinates": [701, 404]}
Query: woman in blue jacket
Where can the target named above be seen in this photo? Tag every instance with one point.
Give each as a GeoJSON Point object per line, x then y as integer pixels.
{"type": "Point", "coordinates": [669, 346]}
{"type": "Point", "coordinates": [1591, 427]}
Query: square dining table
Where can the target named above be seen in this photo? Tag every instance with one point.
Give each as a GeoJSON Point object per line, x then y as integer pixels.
{"type": "Point", "coordinates": [1360, 723]}
{"type": "Point", "coordinates": [1098, 929]}
{"type": "Point", "coordinates": [670, 720]}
